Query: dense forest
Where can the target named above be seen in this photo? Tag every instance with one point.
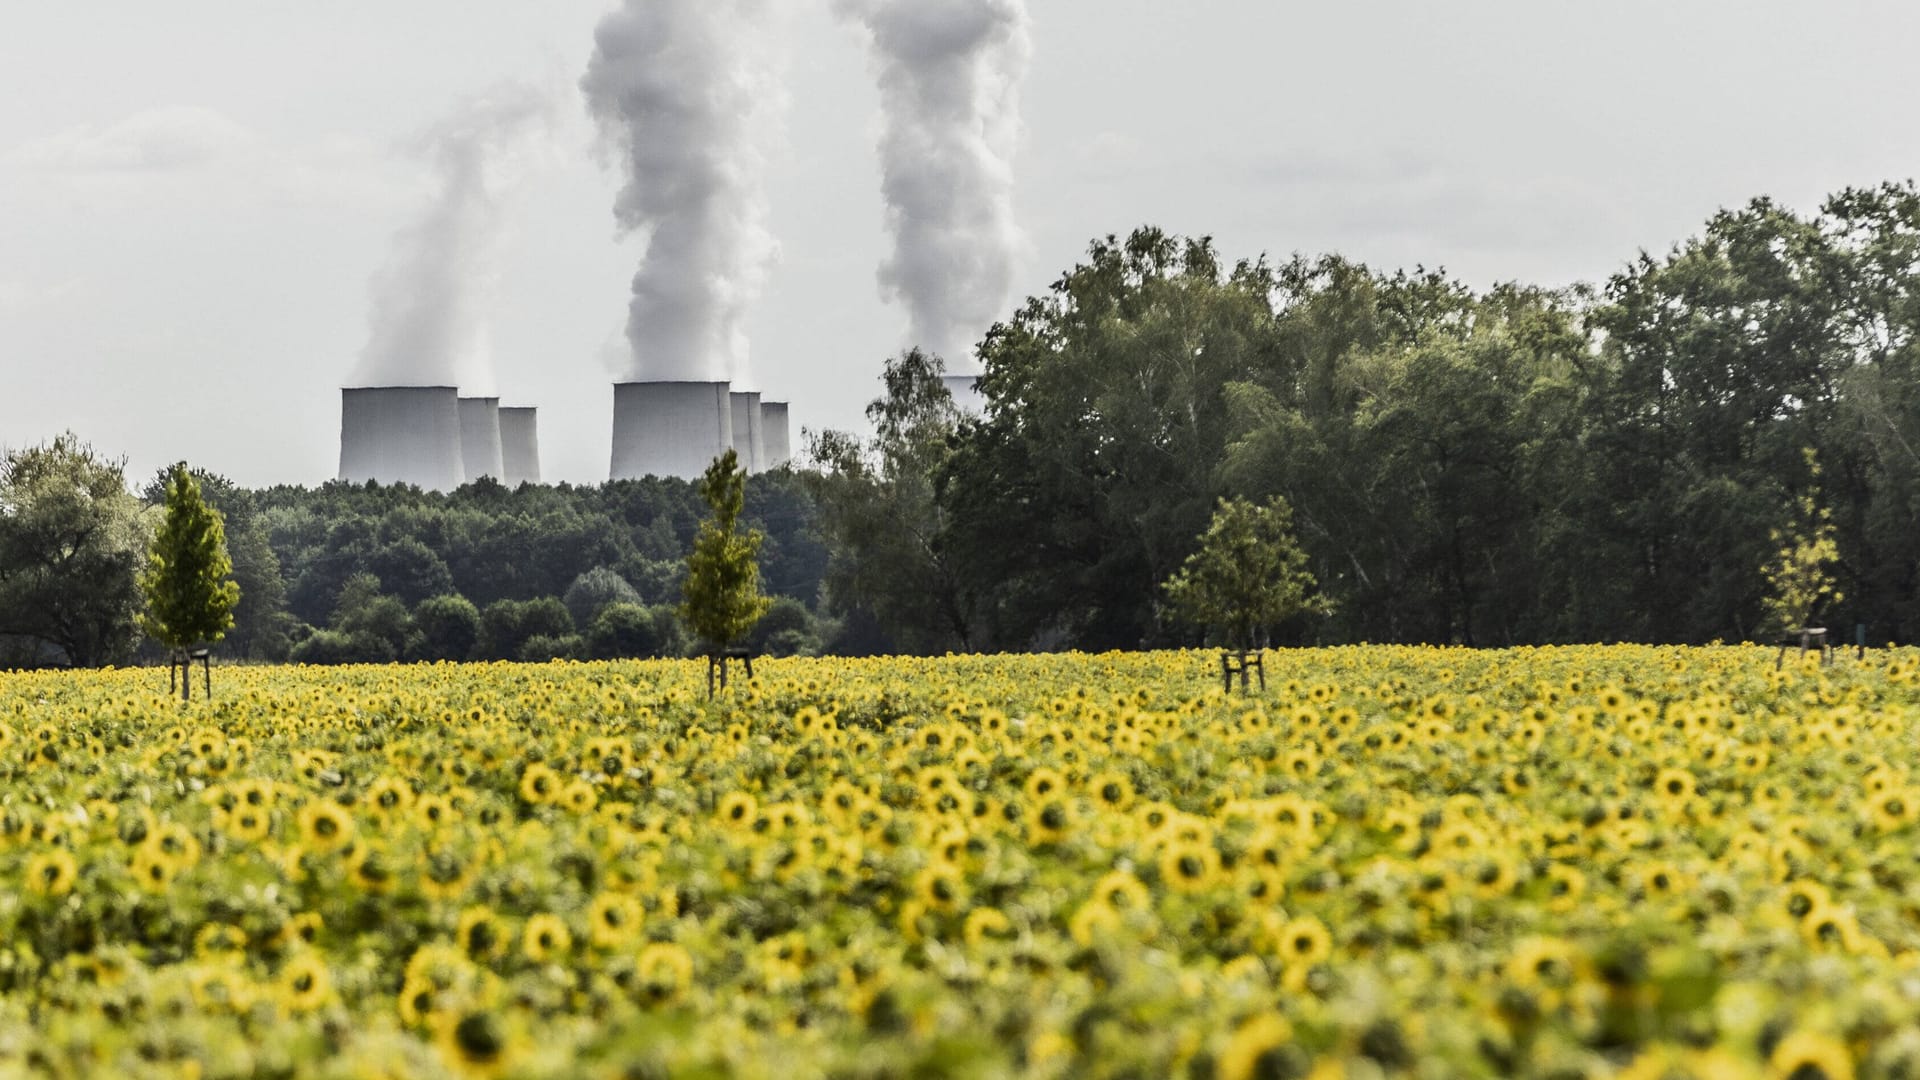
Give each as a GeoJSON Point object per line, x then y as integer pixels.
{"type": "Point", "coordinates": [1481, 467]}
{"type": "Point", "coordinates": [1501, 467]}
{"type": "Point", "coordinates": [345, 572]}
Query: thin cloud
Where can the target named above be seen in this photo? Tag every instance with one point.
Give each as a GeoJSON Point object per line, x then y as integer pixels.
{"type": "Point", "coordinates": [173, 139]}
{"type": "Point", "coordinates": [188, 154]}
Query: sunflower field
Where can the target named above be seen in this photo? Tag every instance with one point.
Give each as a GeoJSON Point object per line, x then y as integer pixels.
{"type": "Point", "coordinates": [1617, 861]}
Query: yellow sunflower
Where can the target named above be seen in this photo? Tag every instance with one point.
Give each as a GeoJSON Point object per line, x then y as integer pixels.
{"type": "Point", "coordinates": [388, 797]}
{"type": "Point", "coordinates": [478, 1041]}
{"type": "Point", "coordinates": [1892, 809]}
{"type": "Point", "coordinates": [1807, 1055]}
{"type": "Point", "coordinates": [1043, 783]}
{"type": "Point", "coordinates": [1049, 821]}
{"type": "Point", "coordinates": [545, 938]}
{"type": "Point", "coordinates": [52, 872]}
{"type": "Point", "coordinates": [1305, 941]}
{"type": "Point", "coordinates": [1092, 922]}
{"type": "Point", "coordinates": [613, 920]}
{"type": "Point", "coordinates": [304, 983]}
{"type": "Point", "coordinates": [983, 924]}
{"type": "Point", "coordinates": [665, 970]}
{"type": "Point", "coordinates": [480, 935]}
{"type": "Point", "coordinates": [539, 784]}
{"type": "Point", "coordinates": [1121, 891]}
{"type": "Point", "coordinates": [1189, 866]}
{"type": "Point", "coordinates": [1258, 1048]}
{"type": "Point", "coordinates": [152, 871]}
{"type": "Point", "coordinates": [578, 796]}
{"type": "Point", "coordinates": [737, 810]}
{"type": "Point", "coordinates": [324, 826]}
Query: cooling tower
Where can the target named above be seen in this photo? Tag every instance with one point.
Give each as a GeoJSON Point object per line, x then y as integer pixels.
{"type": "Point", "coordinates": [480, 437]}
{"type": "Point", "coordinates": [966, 394]}
{"type": "Point", "coordinates": [775, 449]}
{"type": "Point", "coordinates": [746, 430]}
{"type": "Point", "coordinates": [669, 428]}
{"type": "Point", "coordinates": [519, 446]}
{"type": "Point", "coordinates": [401, 435]}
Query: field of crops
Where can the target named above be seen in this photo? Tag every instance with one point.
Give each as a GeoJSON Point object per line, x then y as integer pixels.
{"type": "Point", "coordinates": [1575, 862]}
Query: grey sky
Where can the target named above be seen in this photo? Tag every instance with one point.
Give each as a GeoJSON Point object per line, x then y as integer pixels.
{"type": "Point", "coordinates": [195, 195]}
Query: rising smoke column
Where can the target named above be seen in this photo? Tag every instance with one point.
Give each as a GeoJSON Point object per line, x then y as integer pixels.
{"type": "Point", "coordinates": [677, 87]}
{"type": "Point", "coordinates": [949, 74]}
{"type": "Point", "coordinates": [430, 300]}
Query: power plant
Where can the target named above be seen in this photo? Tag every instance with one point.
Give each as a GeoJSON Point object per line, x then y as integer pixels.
{"type": "Point", "coordinates": [480, 437]}
{"type": "Point", "coordinates": [401, 435]}
{"type": "Point", "coordinates": [677, 92]}
{"type": "Point", "coordinates": [519, 446]}
{"type": "Point", "coordinates": [669, 428]}
{"type": "Point", "coordinates": [775, 449]}
{"type": "Point", "coordinates": [434, 439]}
{"type": "Point", "coordinates": [746, 429]}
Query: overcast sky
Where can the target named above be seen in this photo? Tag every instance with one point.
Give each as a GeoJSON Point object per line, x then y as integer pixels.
{"type": "Point", "coordinates": [195, 195]}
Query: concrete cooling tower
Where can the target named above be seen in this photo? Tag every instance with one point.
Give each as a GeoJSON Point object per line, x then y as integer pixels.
{"type": "Point", "coordinates": [966, 394]}
{"type": "Point", "coordinates": [775, 449]}
{"type": "Point", "coordinates": [480, 437]}
{"type": "Point", "coordinates": [401, 435]}
{"type": "Point", "coordinates": [519, 446]}
{"type": "Point", "coordinates": [669, 428]}
{"type": "Point", "coordinates": [746, 430]}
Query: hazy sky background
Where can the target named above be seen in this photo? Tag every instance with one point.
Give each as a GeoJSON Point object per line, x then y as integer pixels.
{"type": "Point", "coordinates": [195, 195]}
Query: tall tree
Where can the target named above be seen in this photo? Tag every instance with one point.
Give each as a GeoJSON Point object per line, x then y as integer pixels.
{"type": "Point", "coordinates": [71, 540]}
{"type": "Point", "coordinates": [1418, 431]}
{"type": "Point", "coordinates": [878, 505]}
{"type": "Point", "coordinates": [1248, 574]}
{"type": "Point", "coordinates": [721, 598]}
{"type": "Point", "coordinates": [1718, 364]}
{"type": "Point", "coordinates": [1105, 425]}
{"type": "Point", "coordinates": [1873, 464]}
{"type": "Point", "coordinates": [188, 584]}
{"type": "Point", "coordinates": [260, 621]}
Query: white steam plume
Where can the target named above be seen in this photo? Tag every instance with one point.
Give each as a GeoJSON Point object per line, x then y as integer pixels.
{"type": "Point", "coordinates": [680, 89]}
{"type": "Point", "coordinates": [950, 74]}
{"type": "Point", "coordinates": [429, 324]}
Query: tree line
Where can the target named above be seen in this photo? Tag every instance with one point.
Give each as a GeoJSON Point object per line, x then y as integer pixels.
{"type": "Point", "coordinates": [348, 573]}
{"type": "Point", "coordinates": [1485, 467]}
{"type": "Point", "coordinates": [1646, 459]}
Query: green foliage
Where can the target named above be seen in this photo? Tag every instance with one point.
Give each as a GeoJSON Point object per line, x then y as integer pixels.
{"type": "Point", "coordinates": [721, 597]}
{"type": "Point", "coordinates": [261, 624]}
{"type": "Point", "coordinates": [410, 571]}
{"type": "Point", "coordinates": [488, 544]}
{"type": "Point", "coordinates": [507, 625]}
{"type": "Point", "coordinates": [592, 591]}
{"type": "Point", "coordinates": [1248, 574]}
{"type": "Point", "coordinates": [448, 628]}
{"type": "Point", "coordinates": [1100, 449]}
{"type": "Point", "coordinates": [71, 543]}
{"type": "Point", "coordinates": [378, 625]}
{"type": "Point", "coordinates": [878, 506]}
{"type": "Point", "coordinates": [787, 630]}
{"type": "Point", "coordinates": [1800, 582]}
{"type": "Point", "coordinates": [541, 648]}
{"type": "Point", "coordinates": [188, 584]}
{"type": "Point", "coordinates": [625, 631]}
{"type": "Point", "coordinates": [332, 647]}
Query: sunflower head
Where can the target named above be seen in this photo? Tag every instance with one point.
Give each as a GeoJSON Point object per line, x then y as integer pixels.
{"type": "Point", "coordinates": [546, 937]}
{"type": "Point", "coordinates": [304, 983]}
{"type": "Point", "coordinates": [52, 872]}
